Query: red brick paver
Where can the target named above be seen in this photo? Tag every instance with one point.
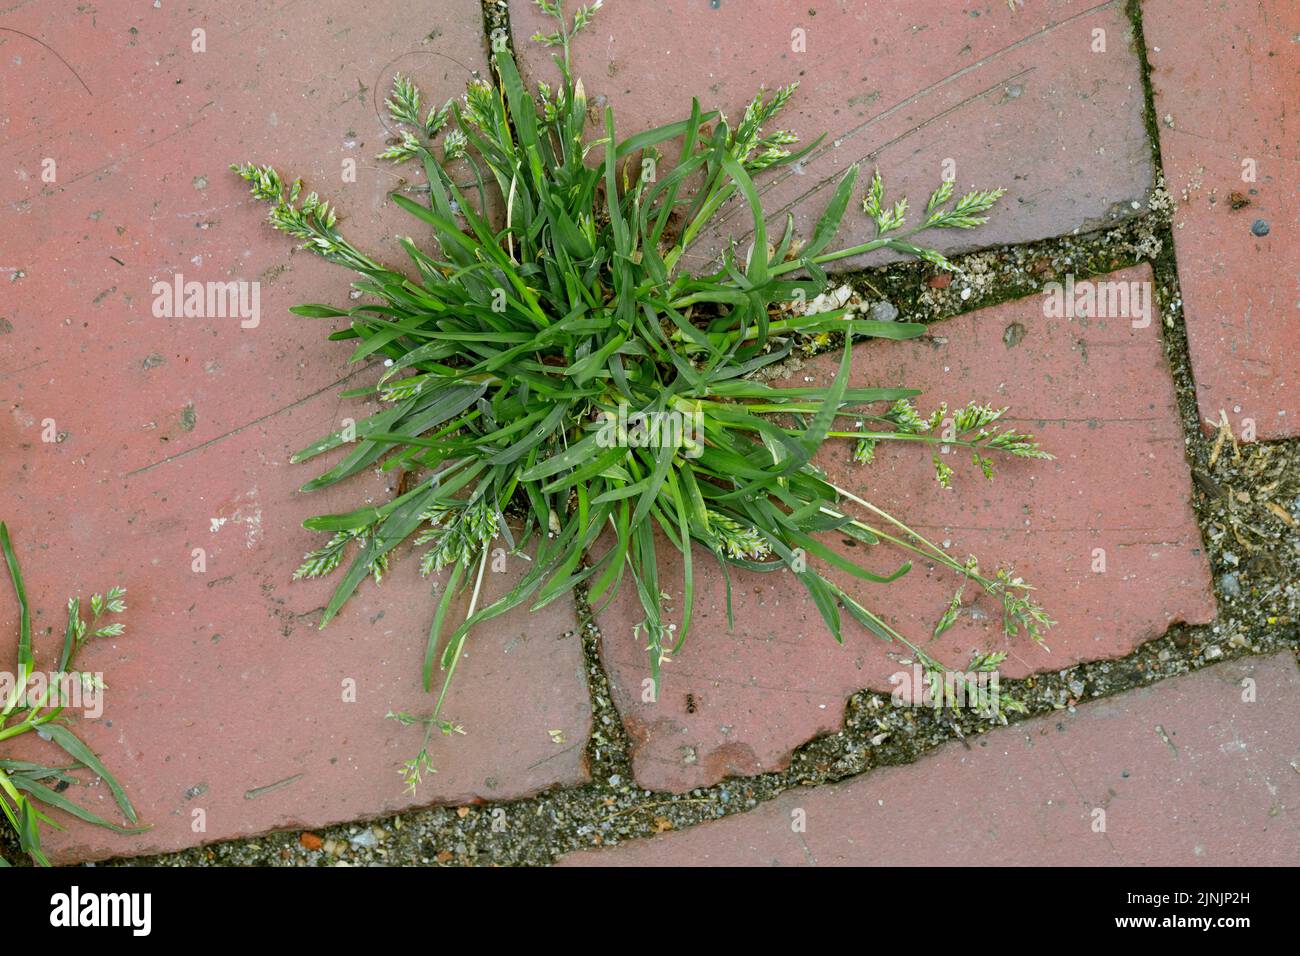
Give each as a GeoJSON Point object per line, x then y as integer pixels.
{"type": "Point", "coordinates": [1186, 772]}
{"type": "Point", "coordinates": [1225, 78]}
{"type": "Point", "coordinates": [1098, 394]}
{"type": "Point", "coordinates": [1018, 99]}
{"type": "Point", "coordinates": [176, 433]}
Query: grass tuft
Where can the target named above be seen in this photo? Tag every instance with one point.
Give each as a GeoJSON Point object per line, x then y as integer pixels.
{"type": "Point", "coordinates": [535, 366]}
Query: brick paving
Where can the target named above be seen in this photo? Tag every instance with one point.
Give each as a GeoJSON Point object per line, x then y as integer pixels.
{"type": "Point", "coordinates": [1192, 771]}
{"type": "Point", "coordinates": [178, 431]}
{"type": "Point", "coordinates": [175, 434]}
{"type": "Point", "coordinates": [1034, 100]}
{"type": "Point", "coordinates": [1097, 393]}
{"type": "Point", "coordinates": [1225, 76]}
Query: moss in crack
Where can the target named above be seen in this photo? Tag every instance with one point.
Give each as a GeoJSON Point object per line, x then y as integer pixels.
{"type": "Point", "coordinates": [921, 293]}
{"type": "Point", "coordinates": [608, 752]}
{"type": "Point", "coordinates": [496, 23]}
{"type": "Point", "coordinates": [1133, 10]}
{"type": "Point", "coordinates": [540, 829]}
{"type": "Point", "coordinates": [1247, 498]}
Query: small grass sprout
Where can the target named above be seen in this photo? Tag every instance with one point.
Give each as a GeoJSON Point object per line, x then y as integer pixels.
{"type": "Point", "coordinates": [31, 705]}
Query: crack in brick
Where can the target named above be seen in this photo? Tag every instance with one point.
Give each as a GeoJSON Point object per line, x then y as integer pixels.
{"type": "Point", "coordinates": [773, 181]}
{"type": "Point", "coordinates": [247, 425]}
{"type": "Point", "coordinates": [938, 84]}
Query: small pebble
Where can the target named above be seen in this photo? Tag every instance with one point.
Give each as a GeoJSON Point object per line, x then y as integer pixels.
{"type": "Point", "coordinates": [1259, 227]}
{"type": "Point", "coordinates": [883, 312]}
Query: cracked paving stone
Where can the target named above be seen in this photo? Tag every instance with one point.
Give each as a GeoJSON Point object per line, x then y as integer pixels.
{"type": "Point", "coordinates": [304, 94]}
{"type": "Point", "coordinates": [1105, 534]}
{"type": "Point", "coordinates": [223, 696]}
{"type": "Point", "coordinates": [1225, 75]}
{"type": "Point", "coordinates": [1045, 100]}
{"type": "Point", "coordinates": [223, 676]}
{"type": "Point", "coordinates": [1197, 770]}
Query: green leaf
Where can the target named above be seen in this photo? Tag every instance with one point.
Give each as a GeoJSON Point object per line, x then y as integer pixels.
{"type": "Point", "coordinates": [79, 752]}
{"type": "Point", "coordinates": [60, 802]}
{"type": "Point", "coordinates": [829, 223]}
{"type": "Point", "coordinates": [825, 417]}
{"type": "Point", "coordinates": [449, 591]}
{"type": "Point", "coordinates": [26, 661]}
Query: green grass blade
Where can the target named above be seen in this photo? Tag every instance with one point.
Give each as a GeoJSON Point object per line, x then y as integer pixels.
{"type": "Point", "coordinates": [79, 752]}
